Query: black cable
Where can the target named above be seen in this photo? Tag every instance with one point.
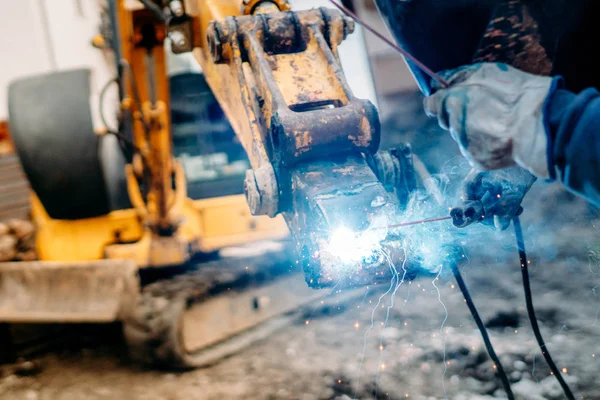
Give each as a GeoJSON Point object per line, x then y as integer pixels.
{"type": "Point", "coordinates": [484, 334]}
{"type": "Point", "coordinates": [531, 311]}
{"type": "Point", "coordinates": [122, 138]}
{"type": "Point", "coordinates": [101, 103]}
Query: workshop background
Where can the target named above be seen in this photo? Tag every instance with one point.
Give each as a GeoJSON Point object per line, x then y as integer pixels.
{"type": "Point", "coordinates": [419, 344]}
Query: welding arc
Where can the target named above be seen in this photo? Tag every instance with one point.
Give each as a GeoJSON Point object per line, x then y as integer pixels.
{"type": "Point", "coordinates": [531, 311]}
{"type": "Point", "coordinates": [480, 325]}
{"type": "Point", "coordinates": [399, 49]}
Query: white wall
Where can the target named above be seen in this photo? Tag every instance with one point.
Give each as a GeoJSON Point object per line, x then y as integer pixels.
{"type": "Point", "coordinates": [27, 28]}
{"type": "Point", "coordinates": [393, 75]}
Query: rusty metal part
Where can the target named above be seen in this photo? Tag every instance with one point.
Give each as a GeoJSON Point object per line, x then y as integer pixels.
{"type": "Point", "coordinates": [264, 6]}
{"type": "Point", "coordinates": [301, 118]}
{"type": "Point", "coordinates": [395, 170]}
{"type": "Point", "coordinates": [262, 192]}
{"type": "Point", "coordinates": [293, 112]}
{"type": "Point", "coordinates": [92, 291]}
{"type": "Point", "coordinates": [338, 193]}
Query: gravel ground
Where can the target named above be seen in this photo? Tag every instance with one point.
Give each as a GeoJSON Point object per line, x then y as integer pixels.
{"type": "Point", "coordinates": [412, 356]}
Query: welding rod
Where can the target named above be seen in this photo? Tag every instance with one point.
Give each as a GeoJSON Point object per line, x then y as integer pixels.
{"type": "Point", "coordinates": [419, 222]}
{"type": "Point", "coordinates": [399, 49]}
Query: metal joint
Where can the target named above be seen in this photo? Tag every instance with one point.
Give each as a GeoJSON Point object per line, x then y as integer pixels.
{"type": "Point", "coordinates": [215, 45]}
{"type": "Point", "coordinates": [395, 170]}
{"type": "Point", "coordinates": [262, 191]}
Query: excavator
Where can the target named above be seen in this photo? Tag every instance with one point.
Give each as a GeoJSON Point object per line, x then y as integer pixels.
{"type": "Point", "coordinates": [122, 235]}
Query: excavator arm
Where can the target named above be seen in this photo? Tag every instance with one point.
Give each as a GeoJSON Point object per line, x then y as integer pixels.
{"type": "Point", "coordinates": [313, 146]}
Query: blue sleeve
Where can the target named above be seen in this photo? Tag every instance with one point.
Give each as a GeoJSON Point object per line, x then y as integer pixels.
{"type": "Point", "coordinates": [573, 127]}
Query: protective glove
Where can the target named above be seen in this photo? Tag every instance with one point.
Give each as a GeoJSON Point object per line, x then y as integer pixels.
{"type": "Point", "coordinates": [496, 114]}
{"type": "Point", "coordinates": [492, 197]}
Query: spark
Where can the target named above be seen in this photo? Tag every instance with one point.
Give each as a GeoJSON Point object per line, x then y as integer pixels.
{"type": "Point", "coordinates": [442, 331]}
{"type": "Point", "coordinates": [322, 302]}
{"type": "Point", "coordinates": [354, 247]}
{"type": "Point", "coordinates": [362, 356]}
{"type": "Point", "coordinates": [392, 298]}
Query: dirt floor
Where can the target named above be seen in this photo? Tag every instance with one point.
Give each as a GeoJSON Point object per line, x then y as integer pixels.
{"type": "Point", "coordinates": [412, 356]}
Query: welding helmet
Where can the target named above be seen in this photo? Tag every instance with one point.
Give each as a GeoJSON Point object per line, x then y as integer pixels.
{"type": "Point", "coordinates": [545, 37]}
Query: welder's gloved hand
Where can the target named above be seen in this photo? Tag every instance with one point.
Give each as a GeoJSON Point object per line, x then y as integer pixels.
{"type": "Point", "coordinates": [496, 114]}
{"type": "Point", "coordinates": [498, 194]}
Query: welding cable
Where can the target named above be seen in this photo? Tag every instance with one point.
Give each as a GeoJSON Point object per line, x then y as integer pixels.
{"type": "Point", "coordinates": [531, 311]}
{"type": "Point", "coordinates": [101, 103]}
{"type": "Point", "coordinates": [484, 334]}
{"type": "Point", "coordinates": [394, 46]}
{"type": "Point", "coordinates": [123, 140]}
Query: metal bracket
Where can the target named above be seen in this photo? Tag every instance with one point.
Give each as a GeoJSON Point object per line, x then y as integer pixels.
{"type": "Point", "coordinates": [305, 128]}
{"type": "Point", "coordinates": [395, 170]}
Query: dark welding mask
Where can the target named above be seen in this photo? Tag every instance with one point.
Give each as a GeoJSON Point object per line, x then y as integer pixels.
{"type": "Point", "coordinates": [545, 37]}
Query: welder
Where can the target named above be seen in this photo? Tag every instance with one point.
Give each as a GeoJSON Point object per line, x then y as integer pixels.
{"type": "Point", "coordinates": [522, 100]}
{"type": "Point", "coordinates": [502, 117]}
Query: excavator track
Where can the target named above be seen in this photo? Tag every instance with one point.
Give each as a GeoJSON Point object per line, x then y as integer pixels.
{"type": "Point", "coordinates": [215, 309]}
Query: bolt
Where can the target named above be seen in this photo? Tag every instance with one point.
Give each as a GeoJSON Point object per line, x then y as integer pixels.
{"type": "Point", "coordinates": [176, 7]}
{"type": "Point", "coordinates": [214, 42]}
{"type": "Point", "coordinates": [178, 38]}
{"type": "Point", "coordinates": [252, 193]}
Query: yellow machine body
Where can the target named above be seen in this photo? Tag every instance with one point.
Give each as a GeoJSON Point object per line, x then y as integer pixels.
{"type": "Point", "coordinates": [217, 222]}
